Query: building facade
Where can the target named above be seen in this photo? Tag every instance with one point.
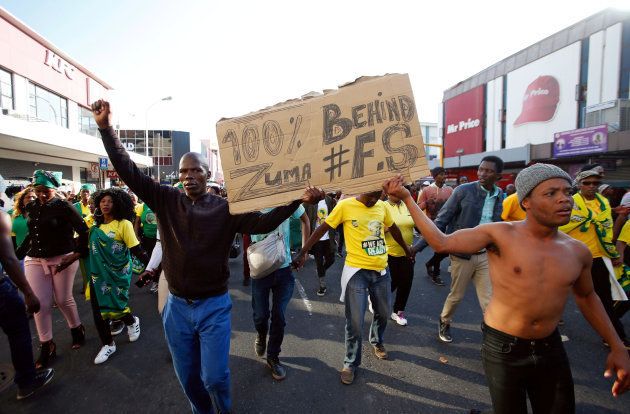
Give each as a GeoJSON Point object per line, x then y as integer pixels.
{"type": "Point", "coordinates": [562, 100]}
{"type": "Point", "coordinates": [45, 120]}
{"type": "Point", "coordinates": [164, 147]}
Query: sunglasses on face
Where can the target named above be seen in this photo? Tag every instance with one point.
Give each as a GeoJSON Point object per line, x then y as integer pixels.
{"type": "Point", "coordinates": [591, 183]}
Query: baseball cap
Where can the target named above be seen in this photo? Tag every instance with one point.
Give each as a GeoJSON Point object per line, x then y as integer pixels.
{"type": "Point", "coordinates": [540, 100]}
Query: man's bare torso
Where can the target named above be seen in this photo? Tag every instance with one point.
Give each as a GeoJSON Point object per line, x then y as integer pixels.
{"type": "Point", "coordinates": [531, 279]}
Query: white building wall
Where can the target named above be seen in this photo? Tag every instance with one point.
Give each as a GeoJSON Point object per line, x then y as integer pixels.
{"type": "Point", "coordinates": [494, 98]}
{"type": "Point", "coordinates": [612, 63]}
{"type": "Point", "coordinates": [604, 59]}
{"type": "Point", "coordinates": [431, 135]}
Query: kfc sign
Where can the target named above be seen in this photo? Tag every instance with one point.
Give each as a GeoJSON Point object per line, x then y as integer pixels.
{"type": "Point", "coordinates": [463, 120]}
{"type": "Point", "coordinates": [59, 65]}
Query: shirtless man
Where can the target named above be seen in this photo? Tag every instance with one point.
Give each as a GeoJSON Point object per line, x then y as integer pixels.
{"type": "Point", "coordinates": [533, 268]}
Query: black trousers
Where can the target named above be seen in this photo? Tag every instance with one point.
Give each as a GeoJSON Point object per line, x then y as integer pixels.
{"type": "Point", "coordinates": [436, 260]}
{"type": "Point", "coordinates": [148, 244]}
{"type": "Point", "coordinates": [601, 283]}
{"type": "Point", "coordinates": [324, 256]}
{"type": "Point", "coordinates": [102, 325]}
{"type": "Point", "coordinates": [401, 271]}
{"type": "Point", "coordinates": [518, 368]}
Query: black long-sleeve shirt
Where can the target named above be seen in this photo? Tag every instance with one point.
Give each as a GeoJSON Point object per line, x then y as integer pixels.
{"type": "Point", "coordinates": [51, 229]}
{"type": "Point", "coordinates": [196, 235]}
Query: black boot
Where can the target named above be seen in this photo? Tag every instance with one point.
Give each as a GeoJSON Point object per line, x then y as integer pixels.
{"type": "Point", "coordinates": [47, 352]}
{"type": "Point", "coordinates": [78, 336]}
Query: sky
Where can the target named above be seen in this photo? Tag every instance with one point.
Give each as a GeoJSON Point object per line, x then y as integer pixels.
{"type": "Point", "coordinates": [226, 58]}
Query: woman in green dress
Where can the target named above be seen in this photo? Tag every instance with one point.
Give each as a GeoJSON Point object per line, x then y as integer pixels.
{"type": "Point", "coordinates": [111, 242]}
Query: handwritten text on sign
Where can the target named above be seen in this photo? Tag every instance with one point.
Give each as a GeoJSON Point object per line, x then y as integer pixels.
{"type": "Point", "coordinates": [348, 139]}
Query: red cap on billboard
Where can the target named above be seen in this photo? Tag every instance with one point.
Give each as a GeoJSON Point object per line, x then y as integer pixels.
{"type": "Point", "coordinates": [540, 100]}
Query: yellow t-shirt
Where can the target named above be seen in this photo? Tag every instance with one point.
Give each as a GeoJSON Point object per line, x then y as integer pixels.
{"type": "Point", "coordinates": [138, 209]}
{"type": "Point", "coordinates": [363, 229]}
{"type": "Point", "coordinates": [624, 236]}
{"type": "Point", "coordinates": [121, 231]}
{"type": "Point", "coordinates": [589, 238]}
{"type": "Point", "coordinates": [85, 210]}
{"type": "Point", "coordinates": [404, 221]}
{"type": "Point", "coordinates": [512, 210]}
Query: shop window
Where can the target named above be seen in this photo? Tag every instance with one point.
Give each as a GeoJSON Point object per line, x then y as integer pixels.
{"type": "Point", "coordinates": [6, 90]}
{"type": "Point", "coordinates": [47, 106]}
{"type": "Point", "coordinates": [87, 124]}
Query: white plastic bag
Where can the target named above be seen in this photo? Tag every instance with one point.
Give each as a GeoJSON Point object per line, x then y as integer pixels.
{"type": "Point", "coordinates": [266, 256]}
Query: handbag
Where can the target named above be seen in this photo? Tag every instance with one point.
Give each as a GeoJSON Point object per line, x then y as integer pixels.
{"type": "Point", "coordinates": [266, 256]}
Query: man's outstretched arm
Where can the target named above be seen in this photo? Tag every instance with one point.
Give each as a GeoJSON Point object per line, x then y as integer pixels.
{"type": "Point", "coordinates": [140, 183]}
{"type": "Point", "coordinates": [260, 223]}
{"type": "Point", "coordinates": [466, 241]}
{"type": "Point", "coordinates": [591, 307]}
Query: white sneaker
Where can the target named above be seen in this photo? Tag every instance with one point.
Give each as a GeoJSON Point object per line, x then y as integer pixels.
{"type": "Point", "coordinates": [104, 354]}
{"type": "Point", "coordinates": [134, 330]}
{"type": "Point", "coordinates": [399, 318]}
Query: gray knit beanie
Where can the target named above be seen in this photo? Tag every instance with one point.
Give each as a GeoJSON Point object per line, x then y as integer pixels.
{"type": "Point", "coordinates": [535, 174]}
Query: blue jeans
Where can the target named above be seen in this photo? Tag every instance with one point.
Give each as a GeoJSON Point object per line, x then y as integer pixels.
{"type": "Point", "coordinates": [198, 336]}
{"type": "Point", "coordinates": [14, 323]}
{"type": "Point", "coordinates": [280, 284]}
{"type": "Point", "coordinates": [361, 284]}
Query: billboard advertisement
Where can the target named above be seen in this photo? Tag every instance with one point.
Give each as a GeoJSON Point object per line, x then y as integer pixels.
{"type": "Point", "coordinates": [541, 98]}
{"type": "Point", "coordinates": [463, 123]}
{"type": "Point", "coordinates": [583, 141]}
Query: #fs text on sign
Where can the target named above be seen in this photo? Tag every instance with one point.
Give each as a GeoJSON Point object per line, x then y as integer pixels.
{"type": "Point", "coordinates": [348, 139]}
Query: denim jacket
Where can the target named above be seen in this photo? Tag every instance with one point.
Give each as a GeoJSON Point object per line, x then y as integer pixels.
{"type": "Point", "coordinates": [463, 210]}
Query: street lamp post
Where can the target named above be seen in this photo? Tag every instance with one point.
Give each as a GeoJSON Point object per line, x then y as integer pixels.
{"type": "Point", "coordinates": [459, 153]}
{"type": "Point", "coordinates": [146, 128]}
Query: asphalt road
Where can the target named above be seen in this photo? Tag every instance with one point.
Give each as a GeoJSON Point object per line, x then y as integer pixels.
{"type": "Point", "coordinates": [139, 378]}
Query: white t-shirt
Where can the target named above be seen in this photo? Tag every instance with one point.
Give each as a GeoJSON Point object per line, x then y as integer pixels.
{"type": "Point", "coordinates": [322, 213]}
{"type": "Point", "coordinates": [625, 200]}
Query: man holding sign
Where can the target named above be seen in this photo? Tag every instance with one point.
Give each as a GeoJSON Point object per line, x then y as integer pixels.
{"type": "Point", "coordinates": [196, 232]}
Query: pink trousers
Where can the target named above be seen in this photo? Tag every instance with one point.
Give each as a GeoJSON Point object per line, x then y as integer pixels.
{"type": "Point", "coordinates": [52, 288]}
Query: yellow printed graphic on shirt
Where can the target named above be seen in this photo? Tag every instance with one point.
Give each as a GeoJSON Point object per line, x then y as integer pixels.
{"type": "Point", "coordinates": [363, 231]}
{"type": "Point", "coordinates": [322, 213]}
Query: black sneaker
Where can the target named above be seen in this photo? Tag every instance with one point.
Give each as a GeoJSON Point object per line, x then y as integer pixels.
{"type": "Point", "coordinates": [437, 280]}
{"type": "Point", "coordinates": [278, 372]}
{"type": "Point", "coordinates": [116, 327]}
{"type": "Point", "coordinates": [260, 345]}
{"type": "Point", "coordinates": [321, 291]}
{"type": "Point", "coordinates": [42, 378]}
{"type": "Point", "coordinates": [445, 332]}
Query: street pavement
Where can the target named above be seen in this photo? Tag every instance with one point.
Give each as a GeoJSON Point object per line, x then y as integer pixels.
{"type": "Point", "coordinates": [422, 375]}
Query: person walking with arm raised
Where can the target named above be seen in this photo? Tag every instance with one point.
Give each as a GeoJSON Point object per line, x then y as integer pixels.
{"type": "Point", "coordinates": [522, 351]}
{"type": "Point", "coordinates": [196, 230]}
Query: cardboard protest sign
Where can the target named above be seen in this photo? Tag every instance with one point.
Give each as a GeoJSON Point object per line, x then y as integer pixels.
{"type": "Point", "coordinates": [349, 139]}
